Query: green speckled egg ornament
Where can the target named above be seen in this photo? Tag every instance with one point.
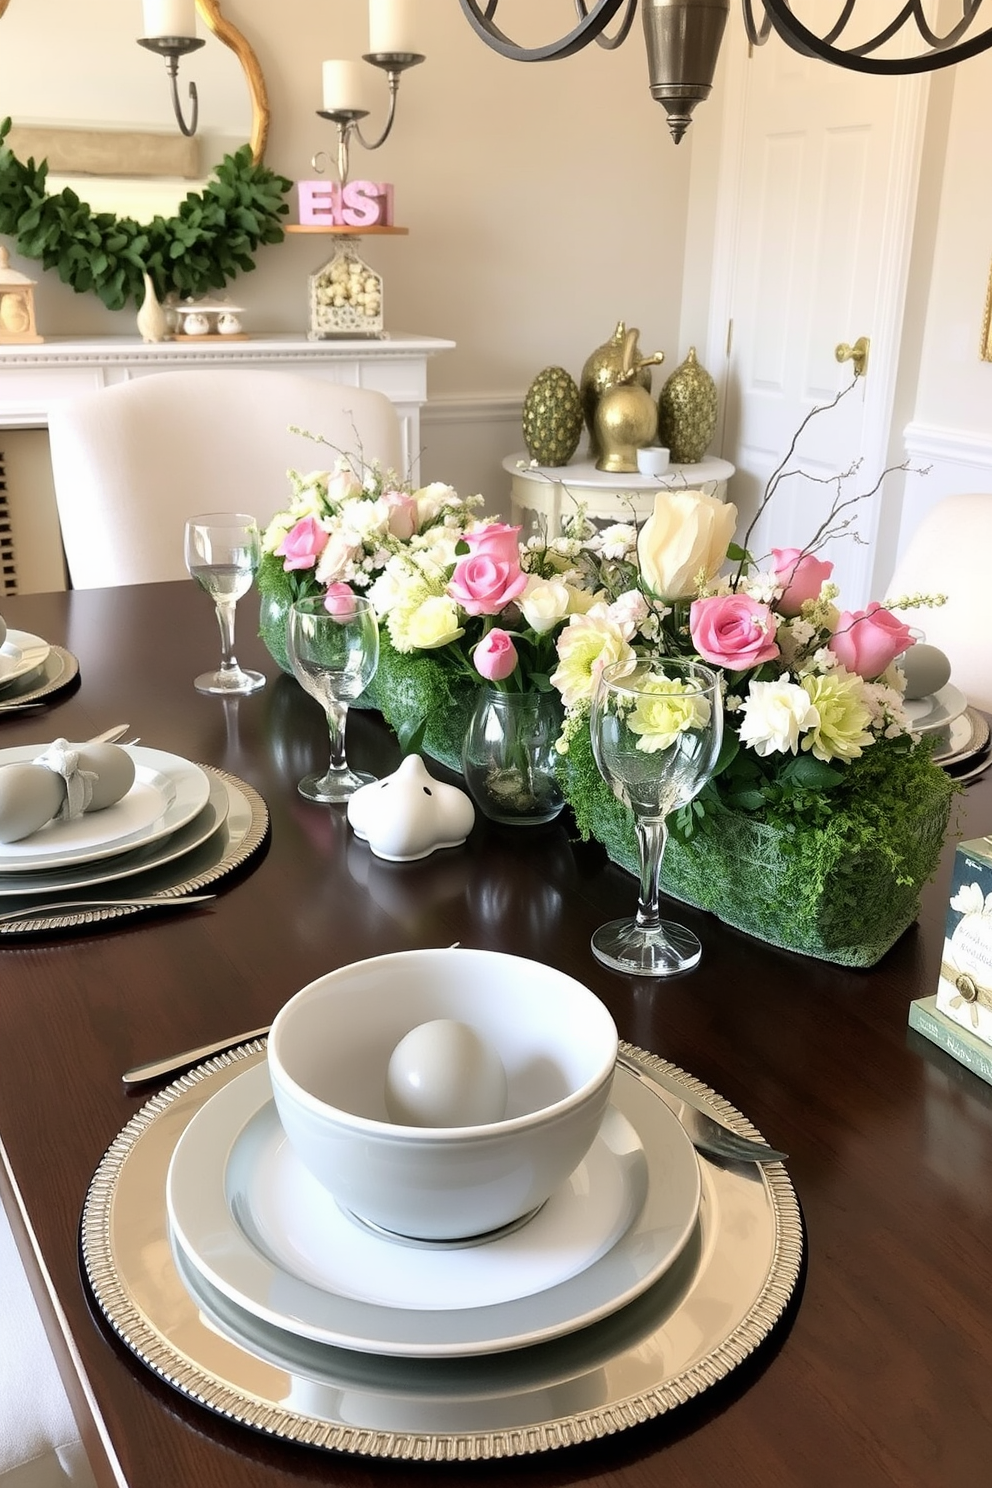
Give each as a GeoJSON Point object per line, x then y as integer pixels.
{"type": "Point", "coordinates": [687, 412]}
{"type": "Point", "coordinates": [552, 418]}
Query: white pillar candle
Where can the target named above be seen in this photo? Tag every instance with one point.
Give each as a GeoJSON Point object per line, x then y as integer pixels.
{"type": "Point", "coordinates": [392, 26]}
{"type": "Point", "coordinates": [170, 17]}
{"type": "Point", "coordinates": [342, 86]}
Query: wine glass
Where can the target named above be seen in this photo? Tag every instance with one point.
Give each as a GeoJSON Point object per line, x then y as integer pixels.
{"type": "Point", "coordinates": [656, 728]}
{"type": "Point", "coordinates": [334, 654]}
{"type": "Point", "coordinates": [223, 551]}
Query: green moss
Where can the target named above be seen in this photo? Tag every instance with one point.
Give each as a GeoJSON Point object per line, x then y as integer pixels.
{"type": "Point", "coordinates": [840, 883]}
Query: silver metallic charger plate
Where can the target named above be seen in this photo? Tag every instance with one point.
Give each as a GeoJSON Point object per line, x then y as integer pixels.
{"type": "Point", "coordinates": [238, 837]}
{"type": "Point", "coordinates": [704, 1317]}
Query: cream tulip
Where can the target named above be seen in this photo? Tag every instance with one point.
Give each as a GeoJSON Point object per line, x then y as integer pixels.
{"type": "Point", "coordinates": [687, 535]}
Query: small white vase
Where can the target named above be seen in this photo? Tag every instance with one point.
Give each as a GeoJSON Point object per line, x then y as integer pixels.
{"type": "Point", "coordinates": [152, 322]}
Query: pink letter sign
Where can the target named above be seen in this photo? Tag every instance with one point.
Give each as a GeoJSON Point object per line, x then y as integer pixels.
{"type": "Point", "coordinates": [357, 204]}
{"type": "Point", "coordinates": [320, 203]}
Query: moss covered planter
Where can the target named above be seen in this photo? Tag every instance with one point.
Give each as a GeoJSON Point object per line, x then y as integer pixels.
{"type": "Point", "coordinates": [843, 892]}
{"type": "Point", "coordinates": [843, 895]}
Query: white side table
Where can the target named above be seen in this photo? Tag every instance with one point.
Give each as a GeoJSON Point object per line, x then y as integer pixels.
{"type": "Point", "coordinates": [539, 494]}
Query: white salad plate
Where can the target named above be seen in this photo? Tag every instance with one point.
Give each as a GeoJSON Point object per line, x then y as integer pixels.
{"type": "Point", "coordinates": [105, 870]}
{"type": "Point", "coordinates": [936, 711]}
{"type": "Point", "coordinates": [255, 1225]}
{"type": "Point", "coordinates": [20, 654]}
{"type": "Point", "coordinates": [167, 793]}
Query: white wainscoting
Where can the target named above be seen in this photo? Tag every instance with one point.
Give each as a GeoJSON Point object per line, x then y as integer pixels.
{"type": "Point", "coordinates": [959, 462]}
{"type": "Point", "coordinates": [464, 442]}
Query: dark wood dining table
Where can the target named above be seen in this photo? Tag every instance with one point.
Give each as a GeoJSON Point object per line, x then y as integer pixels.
{"type": "Point", "coordinates": [880, 1370]}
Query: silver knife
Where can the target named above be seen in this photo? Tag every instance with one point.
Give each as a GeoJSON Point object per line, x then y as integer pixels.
{"type": "Point", "coordinates": [706, 1131]}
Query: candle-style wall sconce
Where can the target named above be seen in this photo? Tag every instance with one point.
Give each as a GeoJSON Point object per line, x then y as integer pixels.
{"type": "Point", "coordinates": [392, 49]}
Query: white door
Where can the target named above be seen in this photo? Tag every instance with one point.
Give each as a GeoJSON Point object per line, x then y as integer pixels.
{"type": "Point", "coordinates": [819, 168]}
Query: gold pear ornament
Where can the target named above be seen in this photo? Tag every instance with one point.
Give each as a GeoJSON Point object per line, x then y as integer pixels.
{"type": "Point", "coordinates": [552, 417]}
{"type": "Point", "coordinates": [602, 371]}
{"type": "Point", "coordinates": [626, 417]}
{"type": "Point", "coordinates": [687, 410]}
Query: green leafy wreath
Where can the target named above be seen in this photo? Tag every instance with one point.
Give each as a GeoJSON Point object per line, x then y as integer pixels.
{"type": "Point", "coordinates": [212, 238]}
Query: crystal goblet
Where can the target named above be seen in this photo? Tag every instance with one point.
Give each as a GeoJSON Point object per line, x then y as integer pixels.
{"type": "Point", "coordinates": [656, 727]}
{"type": "Point", "coordinates": [334, 654]}
{"type": "Point", "coordinates": [223, 551]}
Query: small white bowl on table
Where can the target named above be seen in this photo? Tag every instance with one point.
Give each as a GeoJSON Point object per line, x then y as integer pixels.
{"type": "Point", "coordinates": [329, 1051]}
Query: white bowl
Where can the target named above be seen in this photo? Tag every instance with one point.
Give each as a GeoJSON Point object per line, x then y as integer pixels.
{"type": "Point", "coordinates": [329, 1049]}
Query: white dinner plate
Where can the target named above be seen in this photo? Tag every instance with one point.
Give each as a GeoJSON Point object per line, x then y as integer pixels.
{"type": "Point", "coordinates": [927, 714]}
{"type": "Point", "coordinates": [20, 654]}
{"type": "Point", "coordinates": [257, 1226]}
{"type": "Point", "coordinates": [106, 870]}
{"type": "Point", "coordinates": [167, 793]}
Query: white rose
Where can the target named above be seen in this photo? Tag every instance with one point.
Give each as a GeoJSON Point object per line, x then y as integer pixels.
{"type": "Point", "coordinates": [544, 602]}
{"type": "Point", "coordinates": [687, 535]}
{"type": "Point", "coordinates": [432, 624]}
{"type": "Point", "coordinates": [343, 484]}
{"type": "Point", "coordinates": [335, 562]}
{"type": "Point", "coordinates": [432, 499]}
{"type": "Point", "coordinates": [774, 715]}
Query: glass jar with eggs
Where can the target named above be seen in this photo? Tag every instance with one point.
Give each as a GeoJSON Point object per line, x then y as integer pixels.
{"type": "Point", "coordinates": [345, 295]}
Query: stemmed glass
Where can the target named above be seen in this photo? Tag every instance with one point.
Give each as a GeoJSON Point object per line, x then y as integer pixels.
{"type": "Point", "coordinates": [223, 551]}
{"type": "Point", "coordinates": [656, 728]}
{"type": "Point", "coordinates": [334, 654]}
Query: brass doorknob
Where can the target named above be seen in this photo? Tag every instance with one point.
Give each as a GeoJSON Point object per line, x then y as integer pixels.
{"type": "Point", "coordinates": [858, 354]}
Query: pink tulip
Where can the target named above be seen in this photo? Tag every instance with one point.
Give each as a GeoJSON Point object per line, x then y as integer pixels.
{"type": "Point", "coordinates": [339, 601]}
{"type": "Point", "coordinates": [733, 631]}
{"type": "Point", "coordinates": [402, 514]}
{"type": "Point", "coordinates": [867, 641]}
{"type": "Point", "coordinates": [801, 575]}
{"type": "Point", "coordinates": [302, 545]}
{"type": "Point", "coordinates": [495, 656]}
{"type": "Point", "coordinates": [497, 540]}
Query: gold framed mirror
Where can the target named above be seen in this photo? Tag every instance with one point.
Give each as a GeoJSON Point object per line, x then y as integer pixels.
{"type": "Point", "coordinates": [51, 107]}
{"type": "Point", "coordinates": [986, 348]}
{"type": "Point", "coordinates": [211, 214]}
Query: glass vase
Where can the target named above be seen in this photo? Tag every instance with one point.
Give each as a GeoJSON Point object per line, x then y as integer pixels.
{"type": "Point", "coordinates": [508, 757]}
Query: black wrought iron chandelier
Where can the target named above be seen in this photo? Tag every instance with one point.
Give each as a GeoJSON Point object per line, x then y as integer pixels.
{"type": "Point", "coordinates": [683, 39]}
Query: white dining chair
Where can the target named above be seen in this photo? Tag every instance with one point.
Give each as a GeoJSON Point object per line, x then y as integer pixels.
{"type": "Point", "coordinates": [132, 462]}
{"type": "Point", "coordinates": [951, 553]}
{"type": "Point", "coordinates": [40, 1445]}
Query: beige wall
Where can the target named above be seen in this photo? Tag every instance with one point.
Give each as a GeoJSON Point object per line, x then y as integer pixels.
{"type": "Point", "coordinates": [544, 203]}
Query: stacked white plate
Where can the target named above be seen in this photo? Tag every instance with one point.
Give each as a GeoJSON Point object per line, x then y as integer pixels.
{"type": "Point", "coordinates": [249, 1222]}
{"type": "Point", "coordinates": [961, 733]}
{"type": "Point", "coordinates": [179, 827]}
{"type": "Point", "coordinates": [22, 658]}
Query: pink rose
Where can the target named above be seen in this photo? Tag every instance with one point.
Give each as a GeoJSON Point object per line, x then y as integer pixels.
{"type": "Point", "coordinates": [483, 583]}
{"type": "Point", "coordinates": [402, 514]}
{"type": "Point", "coordinates": [497, 541]}
{"type": "Point", "coordinates": [733, 631]}
{"type": "Point", "coordinates": [339, 601]}
{"type": "Point", "coordinates": [866, 641]}
{"type": "Point", "coordinates": [302, 545]}
{"type": "Point", "coordinates": [495, 656]}
{"type": "Point", "coordinates": [801, 575]}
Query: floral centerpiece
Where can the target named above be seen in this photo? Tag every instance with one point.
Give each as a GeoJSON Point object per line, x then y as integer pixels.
{"type": "Point", "coordinates": [825, 814]}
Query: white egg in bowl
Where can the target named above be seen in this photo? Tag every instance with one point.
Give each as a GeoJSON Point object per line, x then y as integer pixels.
{"type": "Point", "coordinates": [329, 1055]}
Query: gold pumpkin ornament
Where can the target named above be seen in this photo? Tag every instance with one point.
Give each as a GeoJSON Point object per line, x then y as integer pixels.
{"type": "Point", "coordinates": [687, 410]}
{"type": "Point", "coordinates": [602, 371]}
{"type": "Point", "coordinates": [552, 417]}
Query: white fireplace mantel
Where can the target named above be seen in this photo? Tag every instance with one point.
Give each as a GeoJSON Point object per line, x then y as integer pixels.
{"type": "Point", "coordinates": [33, 378]}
